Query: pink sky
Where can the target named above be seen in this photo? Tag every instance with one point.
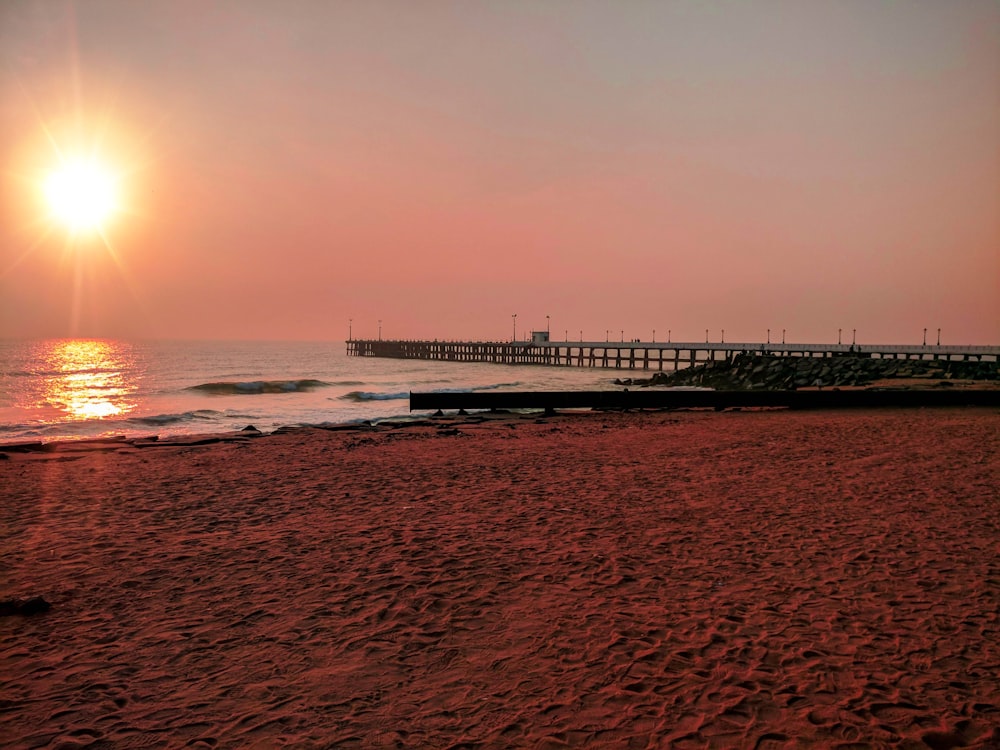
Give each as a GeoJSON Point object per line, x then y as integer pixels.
{"type": "Point", "coordinates": [622, 166]}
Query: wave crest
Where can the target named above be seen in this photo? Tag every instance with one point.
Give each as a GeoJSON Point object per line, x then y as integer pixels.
{"type": "Point", "coordinates": [253, 387]}
{"type": "Point", "coordinates": [160, 420]}
{"type": "Point", "coordinates": [374, 396]}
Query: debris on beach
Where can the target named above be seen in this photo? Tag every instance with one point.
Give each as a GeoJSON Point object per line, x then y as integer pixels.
{"type": "Point", "coordinates": [27, 606]}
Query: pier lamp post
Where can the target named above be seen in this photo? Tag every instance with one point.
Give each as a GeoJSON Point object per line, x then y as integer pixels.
{"type": "Point", "coordinates": [607, 336]}
{"type": "Point", "coordinates": [654, 335]}
{"type": "Point", "coordinates": [547, 330]}
{"type": "Point", "coordinates": [668, 335]}
{"type": "Point", "coordinates": [581, 337]}
{"type": "Point", "coordinates": [350, 329]}
{"type": "Point", "coordinates": [623, 336]}
{"type": "Point", "coordinates": [782, 335]}
{"type": "Point", "coordinates": [723, 339]}
{"type": "Point", "coordinates": [854, 336]}
{"type": "Point", "coordinates": [706, 335]}
{"type": "Point", "coordinates": [514, 318]}
{"type": "Point", "coordinates": [939, 337]}
{"type": "Point", "coordinates": [769, 335]}
{"type": "Point", "coordinates": [566, 335]}
{"type": "Point", "coordinates": [380, 330]}
{"type": "Point", "coordinates": [925, 337]}
{"type": "Point", "coordinates": [838, 336]}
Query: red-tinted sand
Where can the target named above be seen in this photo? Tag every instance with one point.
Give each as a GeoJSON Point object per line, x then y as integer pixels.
{"type": "Point", "coordinates": [679, 580]}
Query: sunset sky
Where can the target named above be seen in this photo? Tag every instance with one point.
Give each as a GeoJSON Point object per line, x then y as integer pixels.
{"type": "Point", "coordinates": [282, 167]}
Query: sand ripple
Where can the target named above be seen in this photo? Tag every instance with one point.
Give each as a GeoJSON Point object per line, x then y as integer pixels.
{"type": "Point", "coordinates": [759, 580]}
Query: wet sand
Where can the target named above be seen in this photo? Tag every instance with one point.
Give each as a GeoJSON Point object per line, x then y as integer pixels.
{"type": "Point", "coordinates": [685, 580]}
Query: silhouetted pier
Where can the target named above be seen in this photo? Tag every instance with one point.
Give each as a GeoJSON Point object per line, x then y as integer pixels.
{"type": "Point", "coordinates": [626, 399]}
{"type": "Point", "coordinates": [644, 355]}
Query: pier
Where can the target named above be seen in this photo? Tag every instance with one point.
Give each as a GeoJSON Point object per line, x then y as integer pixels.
{"type": "Point", "coordinates": [627, 399]}
{"type": "Point", "coordinates": [644, 355]}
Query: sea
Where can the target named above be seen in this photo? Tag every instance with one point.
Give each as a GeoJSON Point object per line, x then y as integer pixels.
{"type": "Point", "coordinates": [70, 389]}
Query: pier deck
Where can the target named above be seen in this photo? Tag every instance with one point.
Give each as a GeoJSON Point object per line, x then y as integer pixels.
{"type": "Point", "coordinates": [643, 355]}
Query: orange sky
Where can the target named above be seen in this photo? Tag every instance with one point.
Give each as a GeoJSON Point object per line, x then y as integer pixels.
{"type": "Point", "coordinates": [631, 166]}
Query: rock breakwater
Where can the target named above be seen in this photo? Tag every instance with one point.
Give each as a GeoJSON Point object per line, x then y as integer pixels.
{"type": "Point", "coordinates": [753, 371]}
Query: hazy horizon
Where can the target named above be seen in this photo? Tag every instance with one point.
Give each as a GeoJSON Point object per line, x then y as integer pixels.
{"type": "Point", "coordinates": [285, 168]}
{"type": "Point", "coordinates": [614, 337]}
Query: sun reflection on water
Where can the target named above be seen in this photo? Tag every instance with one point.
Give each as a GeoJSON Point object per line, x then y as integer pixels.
{"type": "Point", "coordinates": [89, 379]}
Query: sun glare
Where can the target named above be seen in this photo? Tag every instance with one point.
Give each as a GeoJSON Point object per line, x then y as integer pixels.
{"type": "Point", "coordinates": [81, 195]}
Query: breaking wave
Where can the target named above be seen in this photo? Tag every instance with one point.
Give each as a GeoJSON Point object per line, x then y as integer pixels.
{"type": "Point", "coordinates": [374, 396]}
{"type": "Point", "coordinates": [359, 396]}
{"type": "Point", "coordinates": [227, 388]}
{"type": "Point", "coordinates": [159, 420]}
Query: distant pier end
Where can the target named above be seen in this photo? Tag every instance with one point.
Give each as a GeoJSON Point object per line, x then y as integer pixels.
{"type": "Point", "coordinates": [638, 355]}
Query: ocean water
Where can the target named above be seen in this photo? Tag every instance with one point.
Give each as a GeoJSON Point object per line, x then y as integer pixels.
{"type": "Point", "coordinates": [83, 388]}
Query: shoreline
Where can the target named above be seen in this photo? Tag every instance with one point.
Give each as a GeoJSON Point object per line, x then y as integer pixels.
{"type": "Point", "coordinates": [699, 579]}
{"type": "Point", "coordinates": [460, 416]}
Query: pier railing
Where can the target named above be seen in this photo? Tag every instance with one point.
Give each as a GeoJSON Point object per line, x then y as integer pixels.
{"type": "Point", "coordinates": [644, 355]}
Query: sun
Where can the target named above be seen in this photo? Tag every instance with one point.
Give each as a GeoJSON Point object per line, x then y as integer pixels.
{"type": "Point", "coordinates": [82, 195]}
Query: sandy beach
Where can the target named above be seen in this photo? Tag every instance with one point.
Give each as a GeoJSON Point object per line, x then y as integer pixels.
{"type": "Point", "coordinates": [743, 579]}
